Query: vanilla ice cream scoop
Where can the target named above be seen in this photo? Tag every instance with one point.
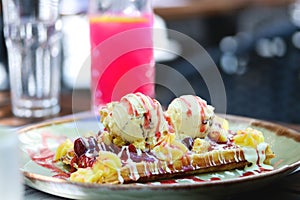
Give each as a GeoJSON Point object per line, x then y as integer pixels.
{"type": "Point", "coordinates": [135, 117]}
{"type": "Point", "coordinates": [190, 115]}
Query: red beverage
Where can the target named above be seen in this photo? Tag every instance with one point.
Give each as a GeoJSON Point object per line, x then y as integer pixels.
{"type": "Point", "coordinates": [122, 57]}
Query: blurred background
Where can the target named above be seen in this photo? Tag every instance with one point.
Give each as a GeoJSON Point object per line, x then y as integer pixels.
{"type": "Point", "coordinates": [254, 43]}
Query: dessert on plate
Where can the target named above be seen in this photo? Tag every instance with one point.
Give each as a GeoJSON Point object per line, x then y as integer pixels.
{"type": "Point", "coordinates": [141, 142]}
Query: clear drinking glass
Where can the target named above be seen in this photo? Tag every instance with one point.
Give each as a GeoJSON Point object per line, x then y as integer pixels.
{"type": "Point", "coordinates": [121, 49]}
{"type": "Point", "coordinates": [32, 32]}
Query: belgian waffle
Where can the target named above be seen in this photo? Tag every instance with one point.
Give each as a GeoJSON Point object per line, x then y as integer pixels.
{"type": "Point", "coordinates": [139, 166]}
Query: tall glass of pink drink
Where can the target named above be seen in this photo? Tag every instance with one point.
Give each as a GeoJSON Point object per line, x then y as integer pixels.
{"type": "Point", "coordinates": [121, 50]}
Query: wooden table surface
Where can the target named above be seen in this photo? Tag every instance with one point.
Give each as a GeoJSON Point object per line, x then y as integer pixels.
{"type": "Point", "coordinates": [287, 188]}
{"type": "Point", "coordinates": [180, 9]}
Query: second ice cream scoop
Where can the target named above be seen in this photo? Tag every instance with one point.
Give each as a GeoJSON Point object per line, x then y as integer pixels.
{"type": "Point", "coordinates": [190, 115]}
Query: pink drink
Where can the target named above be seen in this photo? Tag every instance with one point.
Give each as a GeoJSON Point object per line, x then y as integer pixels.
{"type": "Point", "coordinates": [122, 57]}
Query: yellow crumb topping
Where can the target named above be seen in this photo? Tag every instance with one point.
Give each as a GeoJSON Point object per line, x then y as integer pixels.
{"type": "Point", "coordinates": [140, 144]}
{"type": "Point", "coordinates": [106, 138]}
{"type": "Point", "coordinates": [200, 146]}
{"type": "Point", "coordinates": [105, 170]}
{"type": "Point", "coordinates": [249, 137]}
{"type": "Point", "coordinates": [117, 140]}
{"type": "Point", "coordinates": [168, 149]}
{"type": "Point", "coordinates": [219, 130]}
{"type": "Point", "coordinates": [63, 149]}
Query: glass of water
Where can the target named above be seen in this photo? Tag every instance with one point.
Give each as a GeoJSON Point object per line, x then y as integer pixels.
{"type": "Point", "coordinates": [32, 31]}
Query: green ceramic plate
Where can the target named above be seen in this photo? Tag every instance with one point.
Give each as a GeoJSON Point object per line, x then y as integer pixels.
{"type": "Point", "coordinates": [39, 142]}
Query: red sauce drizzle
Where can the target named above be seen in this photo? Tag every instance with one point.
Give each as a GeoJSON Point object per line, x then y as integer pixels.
{"type": "Point", "coordinates": [202, 105]}
{"type": "Point", "coordinates": [264, 170]}
{"type": "Point", "coordinates": [189, 111]}
{"type": "Point", "coordinates": [215, 179]}
{"type": "Point", "coordinates": [147, 119]}
{"type": "Point", "coordinates": [195, 179]}
{"type": "Point", "coordinates": [247, 174]}
{"type": "Point", "coordinates": [147, 115]}
{"type": "Point", "coordinates": [258, 158]}
{"type": "Point", "coordinates": [170, 181]}
{"type": "Point", "coordinates": [129, 106]}
{"type": "Point", "coordinates": [44, 156]}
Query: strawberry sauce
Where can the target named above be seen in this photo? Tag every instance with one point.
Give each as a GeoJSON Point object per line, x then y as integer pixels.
{"type": "Point", "coordinates": [44, 155]}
